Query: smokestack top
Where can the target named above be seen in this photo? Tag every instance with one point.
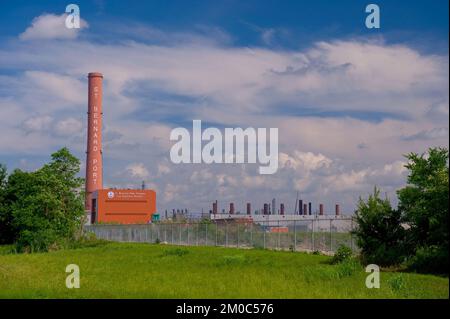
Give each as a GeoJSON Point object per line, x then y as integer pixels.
{"type": "Point", "coordinates": [95, 74]}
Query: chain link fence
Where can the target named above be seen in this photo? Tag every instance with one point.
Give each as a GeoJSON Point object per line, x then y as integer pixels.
{"type": "Point", "coordinates": [324, 235]}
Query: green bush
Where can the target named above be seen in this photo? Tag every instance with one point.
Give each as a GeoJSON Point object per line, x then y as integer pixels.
{"type": "Point", "coordinates": [379, 231]}
{"type": "Point", "coordinates": [87, 240]}
{"type": "Point", "coordinates": [416, 232]}
{"type": "Point", "coordinates": [179, 252]}
{"type": "Point", "coordinates": [385, 255]}
{"type": "Point", "coordinates": [234, 260]}
{"type": "Point", "coordinates": [431, 259]}
{"type": "Point", "coordinates": [347, 268]}
{"type": "Point", "coordinates": [342, 253]}
{"type": "Point", "coordinates": [42, 210]}
{"type": "Point", "coordinates": [397, 283]}
{"type": "Point", "coordinates": [38, 240]}
{"type": "Point", "coordinates": [424, 203]}
{"type": "Point", "coordinates": [7, 249]}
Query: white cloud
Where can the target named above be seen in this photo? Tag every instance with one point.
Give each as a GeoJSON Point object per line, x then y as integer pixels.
{"type": "Point", "coordinates": [68, 127]}
{"type": "Point", "coordinates": [50, 26]}
{"type": "Point", "coordinates": [304, 160]}
{"type": "Point", "coordinates": [434, 133]}
{"type": "Point", "coordinates": [168, 83]}
{"type": "Point", "coordinates": [66, 88]}
{"type": "Point", "coordinates": [138, 170]}
{"type": "Point", "coordinates": [335, 76]}
{"type": "Point", "coordinates": [37, 123]}
{"type": "Point", "coordinates": [163, 168]}
{"type": "Point", "coordinates": [172, 192]}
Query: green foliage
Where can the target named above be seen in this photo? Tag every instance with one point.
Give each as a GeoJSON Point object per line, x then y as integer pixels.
{"type": "Point", "coordinates": [7, 249]}
{"type": "Point", "coordinates": [44, 208]}
{"type": "Point", "coordinates": [424, 203]}
{"type": "Point", "coordinates": [3, 176]}
{"type": "Point", "coordinates": [431, 259]}
{"type": "Point", "coordinates": [418, 230]}
{"type": "Point", "coordinates": [179, 252]}
{"type": "Point", "coordinates": [233, 260]}
{"type": "Point", "coordinates": [347, 268]}
{"type": "Point", "coordinates": [379, 231]}
{"type": "Point", "coordinates": [200, 274]}
{"type": "Point", "coordinates": [342, 253]}
{"type": "Point", "coordinates": [6, 233]}
{"type": "Point", "coordinates": [258, 246]}
{"type": "Point", "coordinates": [397, 283]}
{"type": "Point", "coordinates": [87, 240]}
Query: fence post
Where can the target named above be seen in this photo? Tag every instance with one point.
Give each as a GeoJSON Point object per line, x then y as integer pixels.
{"type": "Point", "coordinates": [217, 225]}
{"type": "Point", "coordinates": [179, 238]}
{"type": "Point", "coordinates": [238, 235]}
{"type": "Point", "coordinates": [206, 234]}
{"type": "Point", "coordinates": [295, 235]}
{"type": "Point", "coordinates": [165, 233]}
{"type": "Point", "coordinates": [331, 234]}
{"type": "Point", "coordinates": [264, 236]}
{"type": "Point", "coordinates": [226, 234]}
{"type": "Point", "coordinates": [159, 232]}
{"type": "Point", "coordinates": [279, 236]}
{"type": "Point", "coordinates": [351, 233]}
{"type": "Point", "coordinates": [188, 226]}
{"type": "Point", "coordinates": [151, 233]}
{"type": "Point", "coordinates": [312, 235]}
{"type": "Point", "coordinates": [251, 236]}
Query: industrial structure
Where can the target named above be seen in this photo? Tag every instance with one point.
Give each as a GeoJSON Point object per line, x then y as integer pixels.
{"type": "Point", "coordinates": [125, 206]}
{"type": "Point", "coordinates": [122, 206]}
{"type": "Point", "coordinates": [137, 206]}
{"type": "Point", "coordinates": [277, 218]}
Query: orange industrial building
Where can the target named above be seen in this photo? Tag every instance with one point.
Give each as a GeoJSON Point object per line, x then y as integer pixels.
{"type": "Point", "coordinates": [127, 206]}
{"type": "Point", "coordinates": [123, 206]}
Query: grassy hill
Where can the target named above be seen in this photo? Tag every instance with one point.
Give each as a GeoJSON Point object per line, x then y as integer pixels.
{"type": "Point", "coordinates": [131, 270]}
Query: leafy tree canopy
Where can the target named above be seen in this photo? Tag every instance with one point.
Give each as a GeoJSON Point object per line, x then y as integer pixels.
{"type": "Point", "coordinates": [44, 208]}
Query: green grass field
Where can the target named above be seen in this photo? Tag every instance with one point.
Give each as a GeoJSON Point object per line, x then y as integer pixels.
{"type": "Point", "coordinates": [131, 270]}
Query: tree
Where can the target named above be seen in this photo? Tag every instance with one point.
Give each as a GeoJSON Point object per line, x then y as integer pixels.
{"type": "Point", "coordinates": [418, 230]}
{"type": "Point", "coordinates": [64, 167]}
{"type": "Point", "coordinates": [379, 231]}
{"type": "Point", "coordinates": [6, 235]}
{"type": "Point", "coordinates": [45, 207]}
{"type": "Point", "coordinates": [424, 203]}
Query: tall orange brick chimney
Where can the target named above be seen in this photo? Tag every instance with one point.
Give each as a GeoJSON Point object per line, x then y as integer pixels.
{"type": "Point", "coordinates": [94, 164]}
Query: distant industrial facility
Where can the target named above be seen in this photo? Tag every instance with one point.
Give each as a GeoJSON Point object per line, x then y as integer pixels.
{"type": "Point", "coordinates": [138, 206]}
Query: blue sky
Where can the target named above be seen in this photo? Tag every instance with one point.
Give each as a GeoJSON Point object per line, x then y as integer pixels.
{"type": "Point", "coordinates": [306, 21]}
{"type": "Point", "coordinates": [348, 101]}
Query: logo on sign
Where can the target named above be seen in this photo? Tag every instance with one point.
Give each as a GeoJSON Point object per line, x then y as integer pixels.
{"type": "Point", "coordinates": [110, 194]}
